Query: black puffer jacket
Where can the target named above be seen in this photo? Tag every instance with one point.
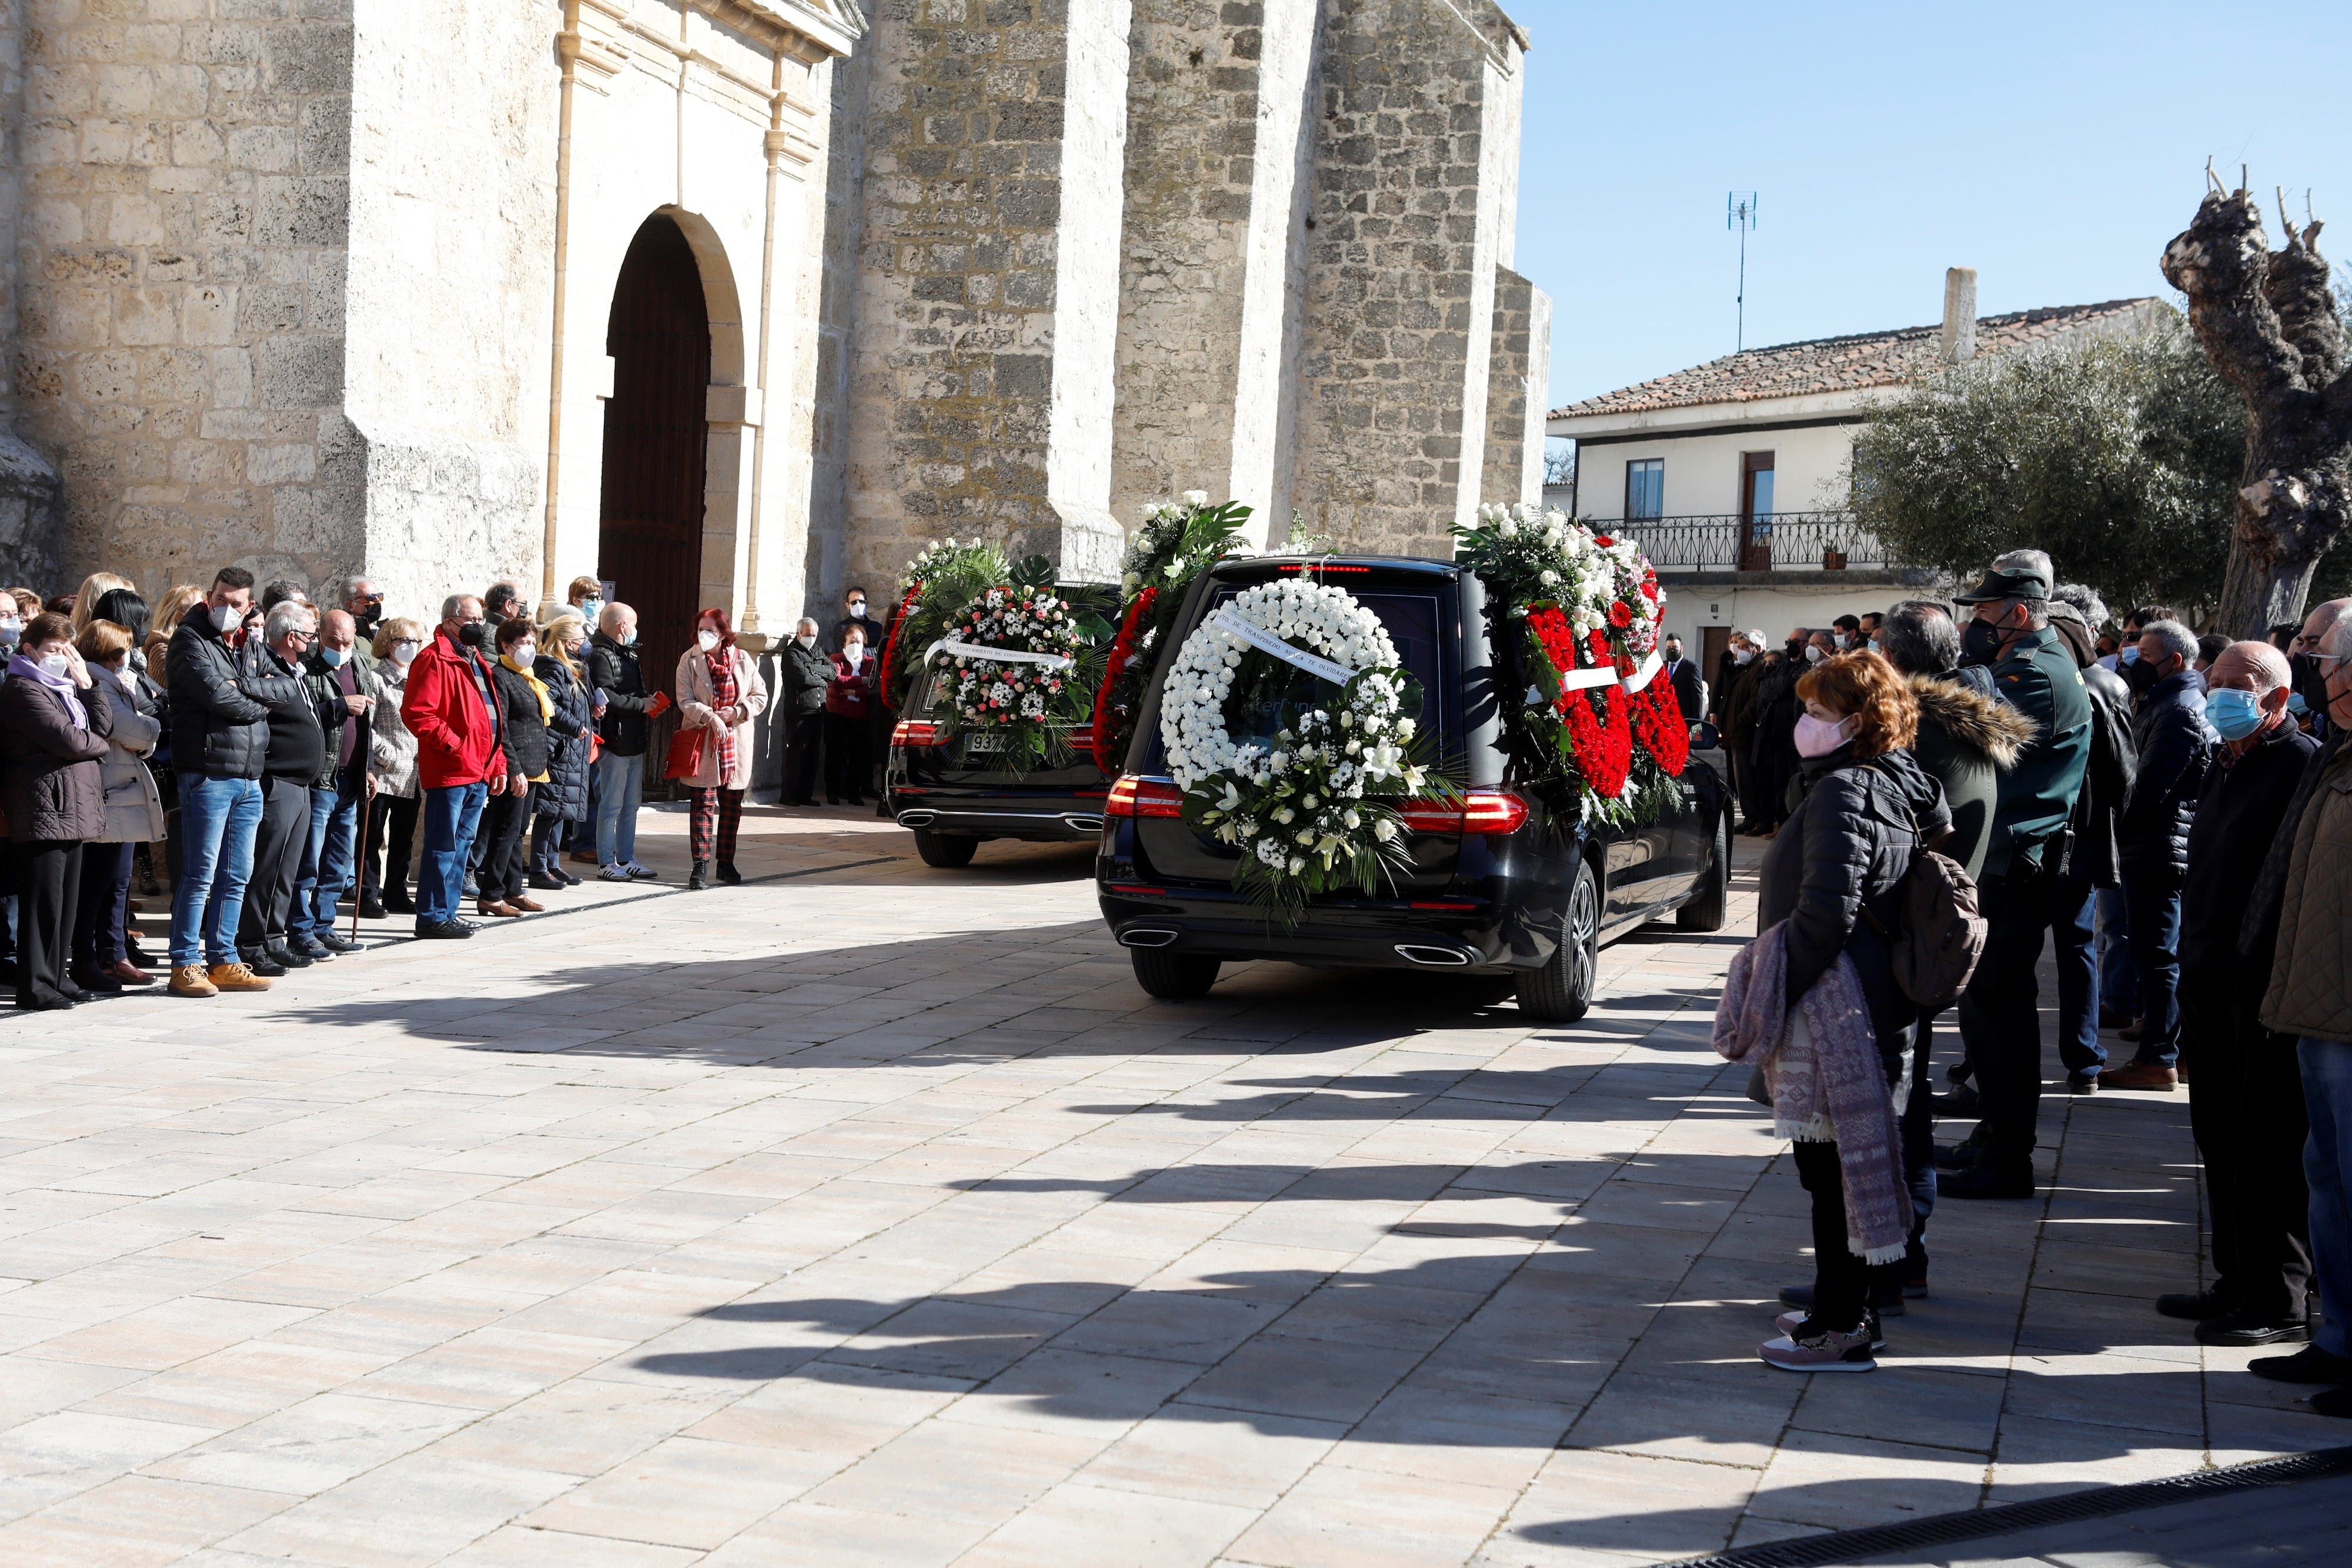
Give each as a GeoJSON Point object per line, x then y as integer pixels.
{"type": "Point", "coordinates": [296, 750]}
{"type": "Point", "coordinates": [806, 674]}
{"type": "Point", "coordinates": [1847, 848]}
{"type": "Point", "coordinates": [613, 669]}
{"type": "Point", "coordinates": [218, 731]}
{"type": "Point", "coordinates": [565, 794]}
{"type": "Point", "coordinates": [2107, 780]}
{"type": "Point", "coordinates": [2173, 741]}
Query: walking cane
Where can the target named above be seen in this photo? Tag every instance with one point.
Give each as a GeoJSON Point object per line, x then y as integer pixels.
{"type": "Point", "coordinates": [367, 804]}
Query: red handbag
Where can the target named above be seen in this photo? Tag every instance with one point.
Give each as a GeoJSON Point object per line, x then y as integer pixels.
{"type": "Point", "coordinates": [686, 753]}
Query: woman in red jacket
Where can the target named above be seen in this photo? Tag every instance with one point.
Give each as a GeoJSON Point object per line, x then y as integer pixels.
{"type": "Point", "coordinates": [849, 702]}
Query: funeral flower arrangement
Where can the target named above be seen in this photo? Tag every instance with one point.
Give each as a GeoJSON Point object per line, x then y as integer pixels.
{"type": "Point", "coordinates": [1313, 808]}
{"type": "Point", "coordinates": [1583, 609]}
{"type": "Point", "coordinates": [1006, 669]}
{"type": "Point", "coordinates": [1176, 542]}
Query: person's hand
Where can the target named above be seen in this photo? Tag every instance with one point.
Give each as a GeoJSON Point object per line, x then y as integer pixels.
{"type": "Point", "coordinates": [599, 711]}
{"type": "Point", "coordinates": [357, 704]}
{"type": "Point", "coordinates": [371, 787]}
{"type": "Point", "coordinates": [498, 783]}
{"type": "Point", "coordinates": [658, 707]}
{"type": "Point", "coordinates": [76, 667]}
{"type": "Point", "coordinates": [517, 783]}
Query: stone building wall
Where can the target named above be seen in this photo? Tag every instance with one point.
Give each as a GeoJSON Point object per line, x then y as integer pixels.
{"type": "Point", "coordinates": [180, 265]}
{"type": "Point", "coordinates": [1410, 179]}
{"type": "Point", "coordinates": [986, 325]}
{"type": "Point", "coordinates": [1519, 367]}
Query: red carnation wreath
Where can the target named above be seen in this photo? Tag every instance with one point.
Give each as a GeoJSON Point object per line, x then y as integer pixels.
{"type": "Point", "coordinates": [1595, 718]}
{"type": "Point", "coordinates": [1657, 723]}
{"type": "Point", "coordinates": [1122, 648]}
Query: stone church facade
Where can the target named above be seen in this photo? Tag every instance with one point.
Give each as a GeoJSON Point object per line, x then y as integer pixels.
{"type": "Point", "coordinates": [735, 301]}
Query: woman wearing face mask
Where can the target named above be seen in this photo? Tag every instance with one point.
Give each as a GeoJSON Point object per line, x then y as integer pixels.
{"type": "Point", "coordinates": [849, 704]}
{"type": "Point", "coordinates": [1834, 876]}
{"type": "Point", "coordinates": [134, 813]}
{"type": "Point", "coordinates": [560, 808]}
{"type": "Point", "coordinates": [719, 691]}
{"type": "Point", "coordinates": [392, 763]}
{"type": "Point", "coordinates": [54, 732]}
{"type": "Point", "coordinates": [807, 672]}
{"type": "Point", "coordinates": [530, 724]}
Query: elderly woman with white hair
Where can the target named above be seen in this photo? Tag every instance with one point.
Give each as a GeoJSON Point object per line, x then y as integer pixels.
{"type": "Point", "coordinates": [806, 672]}
{"type": "Point", "coordinates": [2246, 1092]}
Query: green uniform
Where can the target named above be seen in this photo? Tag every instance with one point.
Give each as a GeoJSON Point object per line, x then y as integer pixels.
{"type": "Point", "coordinates": [2037, 676]}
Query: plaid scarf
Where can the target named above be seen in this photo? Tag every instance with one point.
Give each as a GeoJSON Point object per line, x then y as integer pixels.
{"type": "Point", "coordinates": [724, 691]}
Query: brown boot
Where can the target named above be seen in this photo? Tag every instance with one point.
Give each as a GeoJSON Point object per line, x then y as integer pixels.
{"type": "Point", "coordinates": [236, 977]}
{"type": "Point", "coordinates": [2138, 1075]}
{"type": "Point", "coordinates": [188, 980]}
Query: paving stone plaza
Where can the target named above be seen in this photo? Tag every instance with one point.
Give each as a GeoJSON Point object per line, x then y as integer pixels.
{"type": "Point", "coordinates": [869, 1214]}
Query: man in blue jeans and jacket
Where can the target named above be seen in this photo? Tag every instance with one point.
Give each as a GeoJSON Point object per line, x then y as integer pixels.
{"type": "Point", "coordinates": [219, 737]}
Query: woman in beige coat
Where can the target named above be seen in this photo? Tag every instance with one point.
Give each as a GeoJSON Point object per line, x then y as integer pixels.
{"type": "Point", "coordinates": [719, 691]}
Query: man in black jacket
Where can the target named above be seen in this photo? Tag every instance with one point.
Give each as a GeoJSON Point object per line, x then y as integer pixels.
{"type": "Point", "coordinates": [295, 754]}
{"type": "Point", "coordinates": [219, 735]}
{"type": "Point", "coordinates": [626, 730]}
{"type": "Point", "coordinates": [1685, 676]}
{"type": "Point", "coordinates": [2245, 1094]}
{"type": "Point", "coordinates": [2173, 740]}
{"type": "Point", "coordinates": [344, 691]}
{"type": "Point", "coordinates": [806, 672]}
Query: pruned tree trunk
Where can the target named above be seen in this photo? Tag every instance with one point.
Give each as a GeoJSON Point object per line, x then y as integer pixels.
{"type": "Point", "coordinates": [2269, 324]}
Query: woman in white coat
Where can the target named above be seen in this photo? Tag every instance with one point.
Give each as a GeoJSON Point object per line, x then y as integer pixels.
{"type": "Point", "coordinates": [391, 767]}
{"type": "Point", "coordinates": [134, 814]}
{"type": "Point", "coordinates": [719, 691]}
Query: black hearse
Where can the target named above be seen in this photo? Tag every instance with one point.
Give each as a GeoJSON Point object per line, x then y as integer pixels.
{"type": "Point", "coordinates": [1501, 888]}
{"type": "Point", "coordinates": [955, 794]}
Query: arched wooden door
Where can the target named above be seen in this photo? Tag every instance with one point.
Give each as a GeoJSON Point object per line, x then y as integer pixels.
{"type": "Point", "coordinates": [649, 542]}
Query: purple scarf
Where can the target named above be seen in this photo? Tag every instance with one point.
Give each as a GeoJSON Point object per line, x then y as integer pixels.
{"type": "Point", "coordinates": [23, 668]}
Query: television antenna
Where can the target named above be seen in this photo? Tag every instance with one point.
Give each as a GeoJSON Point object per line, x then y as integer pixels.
{"type": "Point", "coordinates": [1740, 213]}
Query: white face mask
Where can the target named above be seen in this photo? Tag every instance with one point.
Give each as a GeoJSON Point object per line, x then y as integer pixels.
{"type": "Point", "coordinates": [854, 653]}
{"type": "Point", "coordinates": [857, 607]}
{"type": "Point", "coordinates": [402, 653]}
{"type": "Point", "coordinates": [806, 639]}
{"type": "Point", "coordinates": [524, 653]}
{"type": "Point", "coordinates": [1813, 653]}
{"type": "Point", "coordinates": [227, 617]}
{"type": "Point", "coordinates": [56, 664]}
{"type": "Point", "coordinates": [1741, 655]}
{"type": "Point", "coordinates": [706, 640]}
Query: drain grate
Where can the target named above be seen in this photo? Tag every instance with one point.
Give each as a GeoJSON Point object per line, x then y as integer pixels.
{"type": "Point", "coordinates": [1976, 1524]}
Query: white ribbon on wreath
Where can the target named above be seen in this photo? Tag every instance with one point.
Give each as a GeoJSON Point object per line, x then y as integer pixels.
{"type": "Point", "coordinates": [1191, 712]}
{"type": "Point", "coordinates": [1001, 655]}
{"type": "Point", "coordinates": [1606, 676]}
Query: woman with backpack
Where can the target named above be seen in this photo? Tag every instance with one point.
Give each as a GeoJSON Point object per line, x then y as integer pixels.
{"type": "Point", "coordinates": [1814, 1002]}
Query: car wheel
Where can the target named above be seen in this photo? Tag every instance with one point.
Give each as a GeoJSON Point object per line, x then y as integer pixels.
{"type": "Point", "coordinates": [1705, 909]}
{"type": "Point", "coordinates": [1174, 977]}
{"type": "Point", "coordinates": [945, 850]}
{"type": "Point", "coordinates": [1561, 991]}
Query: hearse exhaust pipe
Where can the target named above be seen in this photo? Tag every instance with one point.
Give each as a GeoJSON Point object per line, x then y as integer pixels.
{"type": "Point", "coordinates": [1433, 958]}
{"type": "Point", "coordinates": [917, 817]}
{"type": "Point", "coordinates": [1147, 937]}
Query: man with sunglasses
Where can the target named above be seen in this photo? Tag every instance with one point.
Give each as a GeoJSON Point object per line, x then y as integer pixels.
{"type": "Point", "coordinates": [273, 676]}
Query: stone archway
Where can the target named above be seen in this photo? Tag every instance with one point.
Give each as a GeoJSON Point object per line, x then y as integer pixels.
{"type": "Point", "coordinates": [650, 516]}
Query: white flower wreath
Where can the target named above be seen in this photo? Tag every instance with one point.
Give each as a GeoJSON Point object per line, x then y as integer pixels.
{"type": "Point", "coordinates": [1193, 703]}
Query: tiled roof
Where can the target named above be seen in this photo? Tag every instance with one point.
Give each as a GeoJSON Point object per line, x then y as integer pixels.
{"type": "Point", "coordinates": [1846, 364]}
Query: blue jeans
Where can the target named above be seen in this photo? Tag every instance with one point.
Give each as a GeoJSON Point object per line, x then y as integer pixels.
{"type": "Point", "coordinates": [2327, 1165]}
{"type": "Point", "coordinates": [335, 835]}
{"type": "Point", "coordinates": [620, 782]}
{"type": "Point", "coordinates": [299, 921]}
{"type": "Point", "coordinates": [2078, 984]}
{"type": "Point", "coordinates": [2118, 976]}
{"type": "Point", "coordinates": [452, 813]}
{"type": "Point", "coordinates": [218, 818]}
{"type": "Point", "coordinates": [2154, 916]}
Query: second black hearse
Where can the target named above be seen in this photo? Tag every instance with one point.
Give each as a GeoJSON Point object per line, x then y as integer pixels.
{"type": "Point", "coordinates": [1499, 886]}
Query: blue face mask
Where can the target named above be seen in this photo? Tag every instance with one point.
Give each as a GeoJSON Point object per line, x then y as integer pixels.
{"type": "Point", "coordinates": [333, 656]}
{"type": "Point", "coordinates": [2296, 706]}
{"type": "Point", "coordinates": [2234, 714]}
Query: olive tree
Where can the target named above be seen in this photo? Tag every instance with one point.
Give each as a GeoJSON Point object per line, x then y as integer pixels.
{"type": "Point", "coordinates": [2119, 457]}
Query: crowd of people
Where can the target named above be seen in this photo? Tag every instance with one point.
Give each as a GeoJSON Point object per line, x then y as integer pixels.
{"type": "Point", "coordinates": [262, 760]}
{"type": "Point", "coordinates": [2170, 813]}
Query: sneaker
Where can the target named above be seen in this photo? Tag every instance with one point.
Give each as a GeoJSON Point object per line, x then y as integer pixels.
{"type": "Point", "coordinates": [1824, 1351]}
{"type": "Point", "coordinates": [190, 981]}
{"type": "Point", "coordinates": [642, 872]}
{"type": "Point", "coordinates": [445, 931]}
{"type": "Point", "coordinates": [2309, 1364]}
{"type": "Point", "coordinates": [335, 943]}
{"type": "Point", "coordinates": [1790, 1324]}
{"type": "Point", "coordinates": [613, 874]}
{"type": "Point", "coordinates": [2244, 1330]}
{"type": "Point", "coordinates": [2138, 1075]}
{"type": "Point", "coordinates": [236, 977]}
{"type": "Point", "coordinates": [311, 947]}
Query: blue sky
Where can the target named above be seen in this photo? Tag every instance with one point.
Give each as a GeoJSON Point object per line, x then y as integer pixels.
{"type": "Point", "coordinates": [2055, 148]}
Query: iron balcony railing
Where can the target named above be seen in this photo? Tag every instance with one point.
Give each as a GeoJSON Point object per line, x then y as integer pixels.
{"type": "Point", "coordinates": [1789, 541]}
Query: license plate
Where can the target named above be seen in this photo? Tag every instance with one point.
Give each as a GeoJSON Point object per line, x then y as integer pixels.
{"type": "Point", "coordinates": [984, 742]}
